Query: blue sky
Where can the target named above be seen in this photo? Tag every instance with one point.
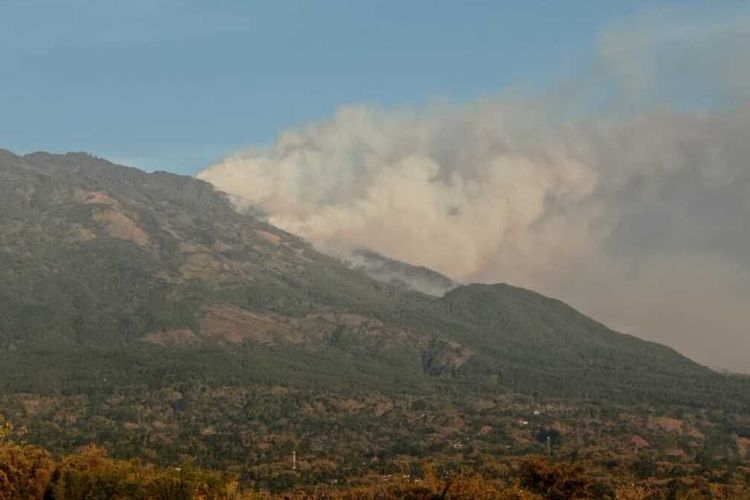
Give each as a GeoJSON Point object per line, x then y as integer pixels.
{"type": "Point", "coordinates": [175, 85]}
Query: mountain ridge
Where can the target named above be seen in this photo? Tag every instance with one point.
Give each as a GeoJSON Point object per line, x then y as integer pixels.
{"type": "Point", "coordinates": [81, 233]}
{"type": "Point", "coordinates": [142, 312]}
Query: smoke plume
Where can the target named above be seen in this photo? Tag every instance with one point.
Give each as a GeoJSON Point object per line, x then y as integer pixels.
{"type": "Point", "coordinates": [624, 191]}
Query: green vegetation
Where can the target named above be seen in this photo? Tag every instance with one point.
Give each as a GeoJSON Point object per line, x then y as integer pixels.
{"type": "Point", "coordinates": [28, 471]}
{"type": "Point", "coordinates": [142, 313]}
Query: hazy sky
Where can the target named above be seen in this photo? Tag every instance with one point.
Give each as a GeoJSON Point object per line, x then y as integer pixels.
{"type": "Point", "coordinates": [175, 84]}
{"type": "Point", "coordinates": [595, 151]}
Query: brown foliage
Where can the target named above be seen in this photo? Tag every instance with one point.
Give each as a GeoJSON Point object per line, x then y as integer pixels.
{"type": "Point", "coordinates": [30, 472]}
{"type": "Point", "coordinates": [562, 481]}
{"type": "Point", "coordinates": [25, 471]}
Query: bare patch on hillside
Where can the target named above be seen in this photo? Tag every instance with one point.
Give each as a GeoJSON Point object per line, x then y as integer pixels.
{"type": "Point", "coordinates": [95, 198]}
{"type": "Point", "coordinates": [181, 337]}
{"type": "Point", "coordinates": [201, 265]}
{"type": "Point", "coordinates": [110, 214]}
{"type": "Point", "coordinates": [234, 325]}
{"type": "Point", "coordinates": [209, 266]}
{"type": "Point", "coordinates": [120, 226]}
{"type": "Point", "coordinates": [270, 237]}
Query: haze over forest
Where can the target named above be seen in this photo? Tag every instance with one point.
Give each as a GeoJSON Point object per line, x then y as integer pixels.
{"type": "Point", "coordinates": [622, 188]}
{"type": "Point", "coordinates": [372, 250]}
{"type": "Point", "coordinates": [596, 153]}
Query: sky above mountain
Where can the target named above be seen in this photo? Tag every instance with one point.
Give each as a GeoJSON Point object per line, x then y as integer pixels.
{"type": "Point", "coordinates": [176, 84]}
{"type": "Point", "coordinates": [593, 151]}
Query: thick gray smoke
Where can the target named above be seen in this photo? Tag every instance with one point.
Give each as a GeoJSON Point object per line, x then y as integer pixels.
{"type": "Point", "coordinates": [625, 192]}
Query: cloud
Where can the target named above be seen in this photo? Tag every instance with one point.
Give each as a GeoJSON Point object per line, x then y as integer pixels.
{"type": "Point", "coordinates": [634, 209]}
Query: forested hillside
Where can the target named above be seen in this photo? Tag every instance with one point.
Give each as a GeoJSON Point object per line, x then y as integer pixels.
{"type": "Point", "coordinates": [143, 313]}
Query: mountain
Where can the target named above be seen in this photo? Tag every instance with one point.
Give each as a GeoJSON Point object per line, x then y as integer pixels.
{"type": "Point", "coordinates": [100, 256]}
{"type": "Point", "coordinates": [135, 305]}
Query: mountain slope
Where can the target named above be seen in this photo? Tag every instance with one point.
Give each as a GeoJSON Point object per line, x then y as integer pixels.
{"type": "Point", "coordinates": [417, 278]}
{"type": "Point", "coordinates": [107, 272]}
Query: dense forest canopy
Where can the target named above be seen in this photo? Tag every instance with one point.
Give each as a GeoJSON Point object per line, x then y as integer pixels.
{"type": "Point", "coordinates": [141, 313]}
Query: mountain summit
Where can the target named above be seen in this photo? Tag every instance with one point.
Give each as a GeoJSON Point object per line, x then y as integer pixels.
{"type": "Point", "coordinates": [96, 256]}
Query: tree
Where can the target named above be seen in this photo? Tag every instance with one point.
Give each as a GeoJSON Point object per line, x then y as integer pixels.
{"type": "Point", "coordinates": [562, 481]}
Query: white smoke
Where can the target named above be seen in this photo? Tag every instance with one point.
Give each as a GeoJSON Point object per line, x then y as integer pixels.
{"type": "Point", "coordinates": [635, 211]}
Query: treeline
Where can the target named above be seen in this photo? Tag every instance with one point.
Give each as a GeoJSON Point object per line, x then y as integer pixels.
{"type": "Point", "coordinates": [31, 472]}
